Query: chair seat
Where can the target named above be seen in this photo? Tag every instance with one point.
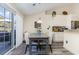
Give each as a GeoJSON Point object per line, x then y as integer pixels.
{"type": "Point", "coordinates": [40, 47]}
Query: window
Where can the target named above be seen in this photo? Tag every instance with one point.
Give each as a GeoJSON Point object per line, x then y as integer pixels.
{"type": "Point", "coordinates": [1, 11]}
{"type": "Point", "coordinates": [2, 30]}
{"type": "Point", "coordinates": [6, 30]}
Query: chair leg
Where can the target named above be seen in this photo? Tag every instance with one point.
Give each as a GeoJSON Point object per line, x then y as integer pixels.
{"type": "Point", "coordinates": [50, 48]}
{"type": "Point", "coordinates": [26, 49]}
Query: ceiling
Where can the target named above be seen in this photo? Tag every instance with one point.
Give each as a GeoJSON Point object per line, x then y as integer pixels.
{"type": "Point", "coordinates": [34, 8]}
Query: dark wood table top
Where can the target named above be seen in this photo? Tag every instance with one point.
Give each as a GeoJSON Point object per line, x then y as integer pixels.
{"type": "Point", "coordinates": [38, 35]}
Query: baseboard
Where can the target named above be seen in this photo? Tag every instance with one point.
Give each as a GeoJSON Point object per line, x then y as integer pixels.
{"type": "Point", "coordinates": [58, 41]}
{"type": "Point", "coordinates": [70, 51]}
{"type": "Point", "coordinates": [9, 51]}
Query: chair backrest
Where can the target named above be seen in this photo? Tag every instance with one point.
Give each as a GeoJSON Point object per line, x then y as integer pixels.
{"type": "Point", "coordinates": [26, 37]}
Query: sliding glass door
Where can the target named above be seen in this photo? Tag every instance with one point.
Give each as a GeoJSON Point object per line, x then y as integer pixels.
{"type": "Point", "coordinates": [14, 28]}
{"type": "Point", "coordinates": [2, 33]}
{"type": "Point", "coordinates": [6, 30]}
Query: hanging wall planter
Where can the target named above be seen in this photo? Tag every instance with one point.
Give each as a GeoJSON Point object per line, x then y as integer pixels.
{"type": "Point", "coordinates": [65, 13]}
{"type": "Point", "coordinates": [53, 13]}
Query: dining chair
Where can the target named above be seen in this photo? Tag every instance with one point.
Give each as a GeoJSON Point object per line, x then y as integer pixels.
{"type": "Point", "coordinates": [34, 43]}
{"type": "Point", "coordinates": [51, 42]}
{"type": "Point", "coordinates": [26, 34]}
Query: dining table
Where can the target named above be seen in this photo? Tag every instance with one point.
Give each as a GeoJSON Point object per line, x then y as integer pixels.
{"type": "Point", "coordinates": [38, 44]}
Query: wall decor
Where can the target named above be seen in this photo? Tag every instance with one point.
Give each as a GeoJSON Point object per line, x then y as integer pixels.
{"type": "Point", "coordinates": [53, 13]}
{"type": "Point", "coordinates": [65, 13]}
{"type": "Point", "coordinates": [74, 24]}
{"type": "Point", "coordinates": [58, 28]}
{"type": "Point", "coordinates": [37, 25]}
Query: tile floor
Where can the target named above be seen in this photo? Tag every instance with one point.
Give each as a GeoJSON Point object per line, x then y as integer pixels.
{"type": "Point", "coordinates": [56, 51]}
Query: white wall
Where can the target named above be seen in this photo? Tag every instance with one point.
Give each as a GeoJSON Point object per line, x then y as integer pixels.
{"type": "Point", "coordinates": [73, 41]}
{"type": "Point", "coordinates": [73, 36]}
{"type": "Point", "coordinates": [29, 22]}
{"type": "Point", "coordinates": [48, 20]}
{"type": "Point", "coordinates": [19, 30]}
{"type": "Point", "coordinates": [59, 20]}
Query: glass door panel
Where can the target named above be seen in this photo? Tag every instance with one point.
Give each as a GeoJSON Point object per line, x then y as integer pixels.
{"type": "Point", "coordinates": [11, 30]}
{"type": "Point", "coordinates": [2, 45]}
{"type": "Point", "coordinates": [1, 11]}
{"type": "Point", "coordinates": [7, 30]}
{"type": "Point", "coordinates": [14, 28]}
